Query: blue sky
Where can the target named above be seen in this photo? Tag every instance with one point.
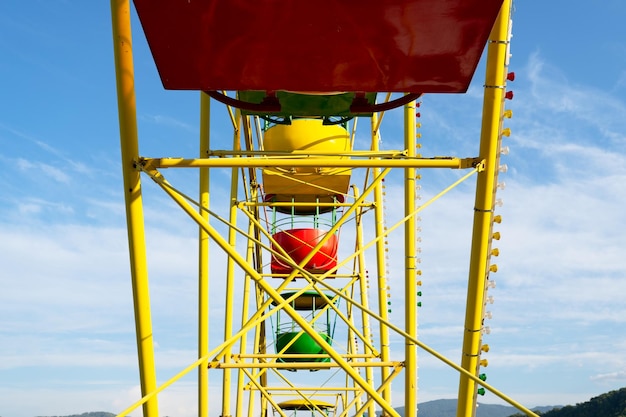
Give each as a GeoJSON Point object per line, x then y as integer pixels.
{"type": "Point", "coordinates": [558, 333]}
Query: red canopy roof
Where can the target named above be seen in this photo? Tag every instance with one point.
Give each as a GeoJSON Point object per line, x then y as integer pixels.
{"type": "Point", "coordinates": [419, 46]}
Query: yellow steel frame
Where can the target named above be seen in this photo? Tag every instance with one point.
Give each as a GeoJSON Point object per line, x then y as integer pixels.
{"type": "Point", "coordinates": [122, 41]}
{"type": "Point", "coordinates": [367, 368]}
{"type": "Point", "coordinates": [491, 135]}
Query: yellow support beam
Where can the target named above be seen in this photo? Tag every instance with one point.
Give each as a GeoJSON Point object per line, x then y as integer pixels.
{"type": "Point", "coordinates": [325, 390]}
{"type": "Point", "coordinates": [410, 268]}
{"type": "Point", "coordinates": [229, 304]}
{"type": "Point", "coordinates": [125, 83]}
{"type": "Point", "coordinates": [300, 365]}
{"type": "Point", "coordinates": [491, 133]}
{"type": "Point", "coordinates": [294, 355]}
{"type": "Point", "coordinates": [243, 345]}
{"type": "Point", "coordinates": [381, 270]}
{"type": "Point", "coordinates": [360, 271]}
{"type": "Point", "coordinates": [437, 162]}
{"type": "Point", "coordinates": [203, 260]}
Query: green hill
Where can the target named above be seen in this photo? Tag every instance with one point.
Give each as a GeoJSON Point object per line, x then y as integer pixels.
{"type": "Point", "coordinates": [611, 404]}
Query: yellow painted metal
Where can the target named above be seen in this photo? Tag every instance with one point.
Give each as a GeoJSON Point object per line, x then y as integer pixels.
{"type": "Point", "coordinates": [125, 82]}
{"type": "Point", "coordinates": [259, 340]}
{"type": "Point", "coordinates": [253, 257]}
{"type": "Point", "coordinates": [491, 131]}
{"type": "Point", "coordinates": [283, 181]}
{"type": "Point", "coordinates": [203, 260]}
{"type": "Point", "coordinates": [398, 162]}
{"type": "Point", "coordinates": [300, 154]}
{"type": "Point", "coordinates": [330, 304]}
{"type": "Point", "coordinates": [304, 135]}
{"type": "Point", "coordinates": [346, 366]}
{"type": "Point", "coordinates": [302, 365]}
{"type": "Point", "coordinates": [321, 355]}
{"type": "Point", "coordinates": [382, 388]}
{"type": "Point", "coordinates": [391, 326]}
{"type": "Point", "coordinates": [304, 405]}
{"type": "Point", "coordinates": [321, 167]}
{"type": "Point", "coordinates": [181, 199]}
{"type": "Point", "coordinates": [266, 397]}
{"type": "Point", "coordinates": [159, 180]}
{"type": "Point", "coordinates": [218, 351]}
{"type": "Point", "coordinates": [381, 271]}
{"type": "Point", "coordinates": [281, 302]}
{"type": "Point", "coordinates": [346, 215]}
{"type": "Point", "coordinates": [230, 274]}
{"type": "Point", "coordinates": [326, 390]}
{"type": "Point", "coordinates": [308, 135]}
{"type": "Point", "coordinates": [364, 294]}
{"type": "Point", "coordinates": [260, 317]}
{"type": "Point", "coordinates": [244, 339]}
{"type": "Point", "coordinates": [410, 268]}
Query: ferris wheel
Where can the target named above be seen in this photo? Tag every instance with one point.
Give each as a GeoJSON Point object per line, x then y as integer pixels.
{"type": "Point", "coordinates": [305, 233]}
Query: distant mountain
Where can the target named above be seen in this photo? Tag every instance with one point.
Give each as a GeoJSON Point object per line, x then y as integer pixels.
{"type": "Point", "coordinates": [611, 404]}
{"type": "Point", "coordinates": [90, 414]}
{"type": "Point", "coordinates": [447, 408]}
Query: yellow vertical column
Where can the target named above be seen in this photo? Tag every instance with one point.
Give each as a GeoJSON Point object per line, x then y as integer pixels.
{"type": "Point", "coordinates": [364, 295]}
{"type": "Point", "coordinates": [495, 83]}
{"type": "Point", "coordinates": [203, 260]}
{"type": "Point", "coordinates": [381, 271]}
{"type": "Point", "coordinates": [410, 268]}
{"type": "Point", "coordinates": [243, 345]}
{"type": "Point", "coordinates": [230, 272]}
{"type": "Point", "coordinates": [125, 81]}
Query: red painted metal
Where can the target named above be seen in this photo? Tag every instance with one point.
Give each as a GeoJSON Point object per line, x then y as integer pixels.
{"type": "Point", "coordinates": [415, 46]}
{"type": "Point", "coordinates": [298, 244]}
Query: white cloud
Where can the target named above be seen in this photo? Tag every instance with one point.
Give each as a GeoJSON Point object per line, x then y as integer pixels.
{"type": "Point", "coordinates": [611, 376]}
{"type": "Point", "coordinates": [169, 121]}
{"type": "Point", "coordinates": [553, 95]}
{"type": "Point", "coordinates": [29, 208]}
{"type": "Point", "coordinates": [38, 168]}
{"type": "Point", "coordinates": [35, 206]}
